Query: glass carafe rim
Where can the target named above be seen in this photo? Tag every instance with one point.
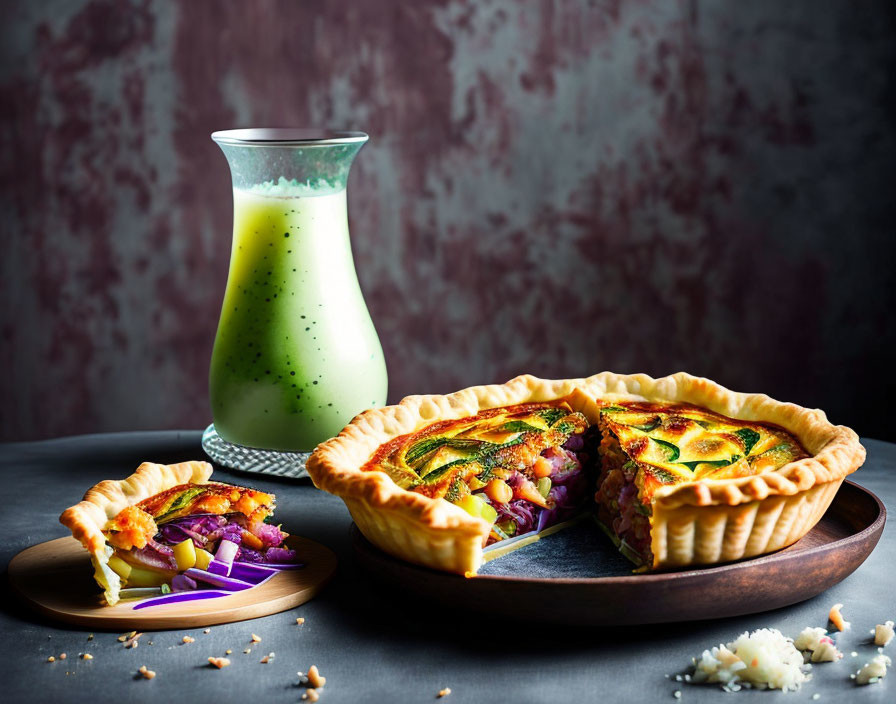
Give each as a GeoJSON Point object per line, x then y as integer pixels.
{"type": "Point", "coordinates": [287, 137]}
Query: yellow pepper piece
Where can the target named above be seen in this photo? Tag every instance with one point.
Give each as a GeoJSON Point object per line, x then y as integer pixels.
{"type": "Point", "coordinates": [478, 508]}
{"type": "Point", "coordinates": [119, 567]}
{"type": "Point", "coordinates": [203, 557]}
{"type": "Point", "coordinates": [185, 555]}
{"type": "Point", "coordinates": [146, 578]}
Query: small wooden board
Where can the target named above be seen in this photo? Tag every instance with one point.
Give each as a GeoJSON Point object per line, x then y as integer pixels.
{"type": "Point", "coordinates": [56, 578]}
{"type": "Point", "coordinates": [831, 551]}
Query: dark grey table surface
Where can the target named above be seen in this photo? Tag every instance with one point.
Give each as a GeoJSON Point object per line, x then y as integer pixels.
{"type": "Point", "coordinates": [375, 645]}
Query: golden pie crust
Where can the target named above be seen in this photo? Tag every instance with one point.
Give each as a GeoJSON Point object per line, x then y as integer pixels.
{"type": "Point", "coordinates": [105, 500]}
{"type": "Point", "coordinates": [699, 523]}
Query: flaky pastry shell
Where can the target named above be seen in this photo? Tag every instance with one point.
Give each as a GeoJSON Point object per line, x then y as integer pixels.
{"type": "Point", "coordinates": [105, 500]}
{"type": "Point", "coordinates": [698, 523]}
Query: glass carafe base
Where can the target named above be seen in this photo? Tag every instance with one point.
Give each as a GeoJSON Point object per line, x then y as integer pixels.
{"type": "Point", "coordinates": [250, 459]}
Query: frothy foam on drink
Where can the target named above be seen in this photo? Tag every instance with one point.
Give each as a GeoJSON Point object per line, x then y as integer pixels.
{"type": "Point", "coordinates": [292, 188]}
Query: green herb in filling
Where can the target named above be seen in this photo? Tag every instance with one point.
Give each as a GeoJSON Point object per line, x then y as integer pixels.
{"type": "Point", "coordinates": [748, 437]}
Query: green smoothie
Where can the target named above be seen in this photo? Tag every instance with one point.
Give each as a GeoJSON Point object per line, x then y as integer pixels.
{"type": "Point", "coordinates": [296, 356]}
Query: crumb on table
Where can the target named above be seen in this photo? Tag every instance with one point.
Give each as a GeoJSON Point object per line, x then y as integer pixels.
{"type": "Point", "coordinates": [315, 679]}
{"type": "Point", "coordinates": [147, 674]}
{"type": "Point", "coordinates": [219, 662]}
{"type": "Point", "coordinates": [836, 618]}
{"type": "Point", "coordinates": [883, 633]}
{"type": "Point", "coordinates": [444, 692]}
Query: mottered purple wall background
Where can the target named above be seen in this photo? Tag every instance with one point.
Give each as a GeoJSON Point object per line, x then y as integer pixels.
{"type": "Point", "coordinates": [558, 188]}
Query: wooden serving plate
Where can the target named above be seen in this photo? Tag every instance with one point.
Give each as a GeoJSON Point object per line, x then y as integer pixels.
{"type": "Point", "coordinates": [611, 595]}
{"type": "Point", "coordinates": [56, 578]}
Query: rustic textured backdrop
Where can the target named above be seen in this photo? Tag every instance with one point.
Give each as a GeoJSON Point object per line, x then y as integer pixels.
{"type": "Point", "coordinates": [558, 188]}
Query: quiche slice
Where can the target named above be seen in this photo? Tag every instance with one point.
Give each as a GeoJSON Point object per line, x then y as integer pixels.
{"type": "Point", "coordinates": [163, 520]}
{"type": "Point", "coordinates": [646, 447]}
{"type": "Point", "coordinates": [681, 470]}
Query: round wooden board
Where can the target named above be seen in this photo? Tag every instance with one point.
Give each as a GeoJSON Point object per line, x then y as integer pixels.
{"type": "Point", "coordinates": [831, 551]}
{"type": "Point", "coordinates": [56, 578]}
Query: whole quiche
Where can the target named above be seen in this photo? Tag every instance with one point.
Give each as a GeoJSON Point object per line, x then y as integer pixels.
{"type": "Point", "coordinates": [679, 470]}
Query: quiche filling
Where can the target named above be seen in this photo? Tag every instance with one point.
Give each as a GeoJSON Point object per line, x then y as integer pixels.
{"type": "Point", "coordinates": [525, 468]}
{"type": "Point", "coordinates": [193, 526]}
{"type": "Point", "coordinates": [520, 468]}
{"type": "Point", "coordinates": [645, 446]}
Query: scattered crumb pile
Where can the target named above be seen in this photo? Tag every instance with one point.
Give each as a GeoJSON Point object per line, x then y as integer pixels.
{"type": "Point", "coordinates": [763, 659]}
{"type": "Point", "coordinates": [874, 670]}
{"type": "Point", "coordinates": [767, 659]}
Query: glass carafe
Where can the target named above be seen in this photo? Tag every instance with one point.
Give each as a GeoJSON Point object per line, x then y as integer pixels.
{"type": "Point", "coordinates": [296, 355]}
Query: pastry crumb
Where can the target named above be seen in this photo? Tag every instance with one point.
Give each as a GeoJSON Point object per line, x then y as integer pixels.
{"type": "Point", "coordinates": [311, 695]}
{"type": "Point", "coordinates": [90, 637]}
{"type": "Point", "coordinates": [836, 618]}
{"type": "Point", "coordinates": [62, 656]}
{"type": "Point", "coordinates": [87, 656]}
{"type": "Point", "coordinates": [315, 679]}
{"type": "Point", "coordinates": [267, 658]}
{"type": "Point", "coordinates": [873, 671]}
{"type": "Point", "coordinates": [677, 694]}
{"type": "Point", "coordinates": [219, 662]}
{"type": "Point", "coordinates": [147, 674]}
{"type": "Point", "coordinates": [207, 630]}
{"type": "Point", "coordinates": [883, 633]}
{"type": "Point", "coordinates": [247, 651]}
{"type": "Point", "coordinates": [256, 639]}
{"type": "Point", "coordinates": [816, 696]}
{"type": "Point", "coordinates": [51, 659]}
{"type": "Point", "coordinates": [300, 621]}
{"type": "Point", "coordinates": [188, 639]}
{"type": "Point", "coordinates": [443, 692]}
{"type": "Point", "coordinates": [132, 641]}
{"type": "Point", "coordinates": [819, 643]}
{"type": "Point", "coordinates": [228, 651]}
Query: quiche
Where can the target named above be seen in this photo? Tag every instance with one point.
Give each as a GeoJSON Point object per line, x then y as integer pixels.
{"type": "Point", "coordinates": [168, 525]}
{"type": "Point", "coordinates": [678, 470]}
